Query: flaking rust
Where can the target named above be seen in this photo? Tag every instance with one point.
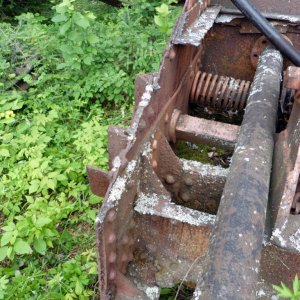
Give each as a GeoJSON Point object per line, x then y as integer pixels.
{"type": "Point", "coordinates": [167, 220]}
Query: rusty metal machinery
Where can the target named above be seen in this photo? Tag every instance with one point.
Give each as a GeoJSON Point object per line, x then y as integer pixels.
{"type": "Point", "coordinates": [230, 233]}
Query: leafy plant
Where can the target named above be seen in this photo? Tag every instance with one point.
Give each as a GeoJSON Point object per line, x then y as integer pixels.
{"type": "Point", "coordinates": [285, 292]}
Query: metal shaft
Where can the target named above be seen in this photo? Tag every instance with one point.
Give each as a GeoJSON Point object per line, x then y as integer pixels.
{"type": "Point", "coordinates": [236, 241]}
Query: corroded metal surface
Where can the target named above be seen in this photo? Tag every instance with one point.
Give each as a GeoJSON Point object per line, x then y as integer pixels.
{"type": "Point", "coordinates": [154, 227]}
{"type": "Point", "coordinates": [236, 240]}
{"type": "Point", "coordinates": [208, 132]}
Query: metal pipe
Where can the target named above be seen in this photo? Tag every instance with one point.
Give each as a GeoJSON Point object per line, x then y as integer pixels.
{"type": "Point", "coordinates": [236, 241]}
{"type": "Point", "coordinates": [275, 37]}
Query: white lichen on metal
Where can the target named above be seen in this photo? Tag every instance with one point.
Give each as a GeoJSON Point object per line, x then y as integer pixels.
{"type": "Point", "coordinates": [119, 186]}
{"type": "Point", "coordinates": [278, 235]}
{"type": "Point", "coordinates": [227, 18]}
{"type": "Point", "coordinates": [203, 169]}
{"type": "Point", "coordinates": [295, 240]}
{"type": "Point", "coordinates": [197, 31]}
{"type": "Point", "coordinates": [160, 205]}
{"type": "Point", "coordinates": [144, 102]}
{"type": "Point", "coordinates": [152, 293]}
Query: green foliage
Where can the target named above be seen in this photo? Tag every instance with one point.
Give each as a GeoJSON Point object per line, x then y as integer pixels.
{"type": "Point", "coordinates": [285, 292]}
{"type": "Point", "coordinates": [163, 17]}
{"type": "Point", "coordinates": [64, 77]}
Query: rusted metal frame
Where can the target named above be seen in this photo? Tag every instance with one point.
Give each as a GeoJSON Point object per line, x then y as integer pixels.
{"type": "Point", "coordinates": [110, 276]}
{"type": "Point", "coordinates": [208, 132]}
{"type": "Point", "coordinates": [285, 185]}
{"type": "Point", "coordinates": [236, 241]}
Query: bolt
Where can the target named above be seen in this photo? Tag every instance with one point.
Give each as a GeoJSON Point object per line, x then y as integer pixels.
{"type": "Point", "coordinates": [111, 238]}
{"type": "Point", "coordinates": [185, 197]}
{"type": "Point", "coordinates": [167, 118]}
{"type": "Point", "coordinates": [142, 124]}
{"type": "Point", "coordinates": [154, 164]}
{"type": "Point", "coordinates": [132, 224]}
{"type": "Point", "coordinates": [125, 240]}
{"type": "Point", "coordinates": [188, 181]}
{"type": "Point", "coordinates": [124, 258]}
{"type": "Point", "coordinates": [154, 144]}
{"type": "Point", "coordinates": [170, 179]}
{"type": "Point", "coordinates": [111, 216]}
{"type": "Point", "coordinates": [112, 275]}
{"type": "Point", "coordinates": [172, 54]}
{"type": "Point", "coordinates": [112, 257]}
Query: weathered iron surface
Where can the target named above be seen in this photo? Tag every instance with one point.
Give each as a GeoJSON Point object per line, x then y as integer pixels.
{"type": "Point", "coordinates": [276, 9]}
{"type": "Point", "coordinates": [154, 226]}
{"type": "Point", "coordinates": [236, 240]}
{"type": "Point", "coordinates": [207, 132]}
{"type": "Point", "coordinates": [285, 180]}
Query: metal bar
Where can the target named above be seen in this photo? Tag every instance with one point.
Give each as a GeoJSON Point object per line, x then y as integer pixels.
{"type": "Point", "coordinates": [207, 132]}
{"type": "Point", "coordinates": [236, 241]}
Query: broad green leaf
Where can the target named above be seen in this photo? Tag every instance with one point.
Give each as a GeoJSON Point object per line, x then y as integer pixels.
{"type": "Point", "coordinates": [158, 21]}
{"type": "Point", "coordinates": [92, 39]}
{"type": "Point", "coordinates": [40, 246]}
{"type": "Point", "coordinates": [163, 9]}
{"type": "Point", "coordinates": [65, 27]}
{"type": "Point", "coordinates": [81, 20]}
{"type": "Point", "coordinates": [22, 247]}
{"type": "Point", "coordinates": [42, 221]}
{"type": "Point", "coordinates": [78, 288]}
{"type": "Point", "coordinates": [3, 252]}
{"type": "Point", "coordinates": [4, 152]}
{"type": "Point", "coordinates": [6, 238]}
{"type": "Point", "coordinates": [296, 284]}
{"type": "Point", "coordinates": [59, 18]}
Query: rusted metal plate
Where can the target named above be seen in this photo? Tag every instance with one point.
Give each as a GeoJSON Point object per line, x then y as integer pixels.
{"type": "Point", "coordinates": [98, 180]}
{"type": "Point", "coordinates": [286, 170]}
{"type": "Point", "coordinates": [117, 141]}
{"type": "Point", "coordinates": [194, 34]}
{"type": "Point", "coordinates": [276, 9]}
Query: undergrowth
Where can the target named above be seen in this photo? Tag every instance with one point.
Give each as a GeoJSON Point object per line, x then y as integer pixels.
{"type": "Point", "coordinates": [66, 73]}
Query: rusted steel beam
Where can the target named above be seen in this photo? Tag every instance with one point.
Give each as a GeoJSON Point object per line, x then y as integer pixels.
{"type": "Point", "coordinates": [207, 132]}
{"type": "Point", "coordinates": [237, 238]}
{"type": "Point", "coordinates": [98, 180]}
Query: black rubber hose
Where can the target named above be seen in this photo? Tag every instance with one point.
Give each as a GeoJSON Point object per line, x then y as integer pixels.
{"type": "Point", "coordinates": [276, 38]}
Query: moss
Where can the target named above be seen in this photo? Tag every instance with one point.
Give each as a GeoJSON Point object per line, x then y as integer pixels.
{"type": "Point", "coordinates": [197, 152]}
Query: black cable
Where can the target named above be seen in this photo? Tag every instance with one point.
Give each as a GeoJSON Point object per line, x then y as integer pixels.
{"type": "Point", "coordinates": [276, 38]}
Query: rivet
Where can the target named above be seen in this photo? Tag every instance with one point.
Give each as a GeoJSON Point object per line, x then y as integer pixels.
{"type": "Point", "coordinates": [188, 181]}
{"type": "Point", "coordinates": [111, 238]}
{"type": "Point", "coordinates": [167, 118]}
{"type": "Point", "coordinates": [151, 111]}
{"type": "Point", "coordinates": [130, 257]}
{"type": "Point", "coordinates": [172, 54]}
{"type": "Point", "coordinates": [124, 258]}
{"type": "Point", "coordinates": [154, 144]}
{"type": "Point", "coordinates": [170, 179]}
{"type": "Point", "coordinates": [130, 184]}
{"type": "Point", "coordinates": [131, 242]}
{"type": "Point", "coordinates": [185, 196]}
{"type": "Point", "coordinates": [125, 240]}
{"type": "Point", "coordinates": [154, 164]}
{"type": "Point", "coordinates": [132, 224]}
{"type": "Point", "coordinates": [111, 216]}
{"type": "Point", "coordinates": [112, 275]}
{"type": "Point", "coordinates": [112, 257]}
{"type": "Point", "coordinates": [142, 124]}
